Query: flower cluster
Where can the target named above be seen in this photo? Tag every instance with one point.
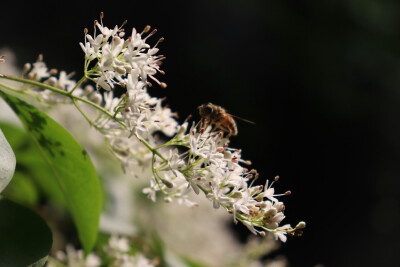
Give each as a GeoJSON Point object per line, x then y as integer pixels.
{"type": "Point", "coordinates": [110, 62]}
{"type": "Point", "coordinates": [116, 57]}
{"type": "Point", "coordinates": [211, 166]}
{"type": "Point", "coordinates": [116, 253]}
{"type": "Point", "coordinates": [130, 124]}
{"type": "Point", "coordinates": [39, 71]}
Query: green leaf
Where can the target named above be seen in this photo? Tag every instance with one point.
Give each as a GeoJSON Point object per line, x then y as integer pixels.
{"type": "Point", "coordinates": [25, 237]}
{"type": "Point", "coordinates": [22, 190]}
{"type": "Point", "coordinates": [70, 164]}
{"type": "Point", "coordinates": [33, 166]}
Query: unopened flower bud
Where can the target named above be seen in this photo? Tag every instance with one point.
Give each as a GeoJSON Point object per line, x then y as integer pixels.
{"type": "Point", "coordinates": [167, 183]}
{"type": "Point", "coordinates": [182, 128]}
{"type": "Point", "coordinates": [120, 70]}
{"type": "Point", "coordinates": [31, 76]}
{"type": "Point", "coordinates": [95, 97]}
{"type": "Point", "coordinates": [88, 89]}
{"type": "Point", "coordinates": [128, 68]}
{"type": "Point", "coordinates": [263, 205]}
{"type": "Point", "coordinates": [227, 154]}
{"type": "Point", "coordinates": [280, 206]}
{"type": "Point", "coordinates": [123, 153]}
{"type": "Point", "coordinates": [270, 213]}
{"type": "Point", "coordinates": [51, 81]}
{"type": "Point", "coordinates": [301, 225]}
{"type": "Point", "coordinates": [260, 198]}
{"type": "Point", "coordinates": [259, 189]}
{"type": "Point", "coordinates": [116, 40]}
{"type": "Point", "coordinates": [26, 67]}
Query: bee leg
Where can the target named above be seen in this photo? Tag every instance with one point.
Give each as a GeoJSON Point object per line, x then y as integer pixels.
{"type": "Point", "coordinates": [202, 123]}
{"type": "Point", "coordinates": [214, 128]}
{"type": "Point", "coordinates": [226, 130]}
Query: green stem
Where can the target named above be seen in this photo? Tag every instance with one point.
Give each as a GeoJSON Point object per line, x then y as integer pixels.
{"type": "Point", "coordinates": [83, 113]}
{"type": "Point", "coordinates": [163, 145]}
{"type": "Point", "coordinates": [74, 98]}
{"type": "Point", "coordinates": [152, 149]}
{"type": "Point", "coordinates": [78, 84]}
{"type": "Point", "coordinates": [61, 92]}
{"type": "Point", "coordinates": [156, 178]}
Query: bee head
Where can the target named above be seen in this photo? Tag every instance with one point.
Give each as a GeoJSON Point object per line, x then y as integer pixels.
{"type": "Point", "coordinates": [205, 109]}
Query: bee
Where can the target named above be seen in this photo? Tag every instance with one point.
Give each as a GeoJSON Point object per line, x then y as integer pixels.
{"type": "Point", "coordinates": [218, 117]}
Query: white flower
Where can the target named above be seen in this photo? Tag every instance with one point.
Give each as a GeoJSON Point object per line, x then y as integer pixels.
{"type": "Point", "coordinates": [64, 82]}
{"type": "Point", "coordinates": [95, 44]}
{"type": "Point", "coordinates": [136, 43]}
{"type": "Point", "coordinates": [280, 233]}
{"type": "Point", "coordinates": [165, 120]}
{"type": "Point", "coordinates": [269, 192]}
{"type": "Point", "coordinates": [105, 81]}
{"type": "Point", "coordinates": [242, 203]}
{"type": "Point", "coordinates": [39, 70]}
{"type": "Point", "coordinates": [138, 260]}
{"type": "Point", "coordinates": [88, 50]}
{"type": "Point", "coordinates": [117, 57]}
{"type": "Point", "coordinates": [152, 190]}
{"type": "Point", "coordinates": [205, 146]}
{"type": "Point", "coordinates": [106, 32]}
{"type": "Point", "coordinates": [273, 214]}
{"type": "Point", "coordinates": [141, 261]}
{"type": "Point", "coordinates": [110, 102]}
{"type": "Point", "coordinates": [74, 258]}
{"type": "Point", "coordinates": [119, 244]}
{"type": "Point", "coordinates": [109, 60]}
{"type": "Point", "coordinates": [250, 226]}
{"type": "Point", "coordinates": [218, 197]}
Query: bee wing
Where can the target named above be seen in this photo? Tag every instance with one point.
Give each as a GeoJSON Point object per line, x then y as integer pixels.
{"type": "Point", "coordinates": [236, 117]}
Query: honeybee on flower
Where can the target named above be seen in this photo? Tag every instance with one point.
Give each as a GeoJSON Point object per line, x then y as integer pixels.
{"type": "Point", "coordinates": [218, 117]}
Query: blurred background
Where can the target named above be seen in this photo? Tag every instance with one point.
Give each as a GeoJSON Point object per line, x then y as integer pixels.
{"type": "Point", "coordinates": [321, 79]}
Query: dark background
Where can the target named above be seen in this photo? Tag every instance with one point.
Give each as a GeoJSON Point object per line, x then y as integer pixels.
{"type": "Point", "coordinates": [320, 79]}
